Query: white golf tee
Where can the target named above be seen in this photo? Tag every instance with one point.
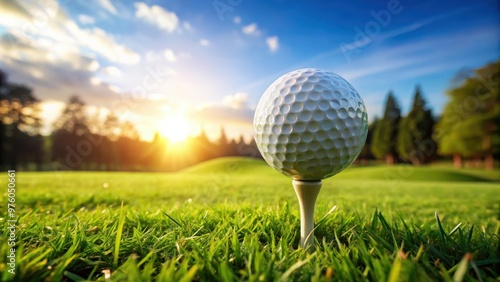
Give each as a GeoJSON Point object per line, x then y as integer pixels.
{"type": "Point", "coordinates": [307, 192]}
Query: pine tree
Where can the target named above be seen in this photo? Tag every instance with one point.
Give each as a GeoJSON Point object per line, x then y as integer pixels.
{"type": "Point", "coordinates": [366, 153]}
{"type": "Point", "coordinates": [222, 144]}
{"type": "Point", "coordinates": [414, 140]}
{"type": "Point", "coordinates": [384, 136]}
{"type": "Point", "coordinates": [203, 149]}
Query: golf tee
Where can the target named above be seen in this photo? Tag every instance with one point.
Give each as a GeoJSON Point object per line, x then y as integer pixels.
{"type": "Point", "coordinates": [307, 192]}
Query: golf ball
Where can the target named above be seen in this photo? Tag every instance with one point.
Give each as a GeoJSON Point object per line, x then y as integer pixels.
{"type": "Point", "coordinates": [310, 124]}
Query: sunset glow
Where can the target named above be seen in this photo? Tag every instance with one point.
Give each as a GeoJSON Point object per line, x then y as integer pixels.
{"type": "Point", "coordinates": [176, 128]}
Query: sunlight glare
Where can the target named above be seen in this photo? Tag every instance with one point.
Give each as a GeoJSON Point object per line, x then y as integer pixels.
{"type": "Point", "coordinates": [175, 128]}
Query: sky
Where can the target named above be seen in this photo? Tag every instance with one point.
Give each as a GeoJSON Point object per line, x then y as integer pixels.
{"type": "Point", "coordinates": [205, 64]}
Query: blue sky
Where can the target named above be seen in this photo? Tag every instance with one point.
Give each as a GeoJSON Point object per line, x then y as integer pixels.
{"type": "Point", "coordinates": [208, 62]}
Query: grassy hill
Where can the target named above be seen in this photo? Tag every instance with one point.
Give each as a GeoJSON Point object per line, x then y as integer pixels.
{"type": "Point", "coordinates": [230, 165]}
{"type": "Point", "coordinates": [409, 173]}
{"type": "Point", "coordinates": [247, 166]}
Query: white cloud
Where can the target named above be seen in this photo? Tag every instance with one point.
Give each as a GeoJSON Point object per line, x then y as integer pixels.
{"type": "Point", "coordinates": [16, 14]}
{"type": "Point", "coordinates": [237, 20]}
{"type": "Point", "coordinates": [236, 101]}
{"type": "Point", "coordinates": [346, 48]}
{"type": "Point", "coordinates": [170, 55]}
{"type": "Point", "coordinates": [204, 42]}
{"type": "Point", "coordinates": [45, 51]}
{"type": "Point", "coordinates": [251, 29]}
{"type": "Point", "coordinates": [420, 58]}
{"type": "Point", "coordinates": [157, 16]}
{"type": "Point", "coordinates": [94, 65]}
{"type": "Point", "coordinates": [112, 71]}
{"type": "Point", "coordinates": [54, 70]}
{"type": "Point", "coordinates": [233, 109]}
{"type": "Point", "coordinates": [107, 5]}
{"type": "Point", "coordinates": [27, 19]}
{"type": "Point", "coordinates": [114, 88]}
{"type": "Point", "coordinates": [86, 19]}
{"type": "Point", "coordinates": [104, 44]}
{"type": "Point", "coordinates": [60, 31]}
{"type": "Point", "coordinates": [95, 80]}
{"type": "Point", "coordinates": [273, 43]}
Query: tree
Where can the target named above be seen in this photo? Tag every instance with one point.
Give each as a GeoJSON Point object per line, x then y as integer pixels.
{"type": "Point", "coordinates": [222, 144]}
{"type": "Point", "coordinates": [111, 127]}
{"type": "Point", "coordinates": [156, 152]}
{"type": "Point", "coordinates": [202, 148]}
{"type": "Point", "coordinates": [469, 124]}
{"type": "Point", "coordinates": [384, 136]}
{"type": "Point", "coordinates": [20, 124]}
{"type": "Point", "coordinates": [3, 79]}
{"type": "Point", "coordinates": [414, 140]}
{"type": "Point", "coordinates": [128, 130]}
{"type": "Point", "coordinates": [69, 130]}
{"type": "Point", "coordinates": [366, 153]}
{"type": "Point", "coordinates": [128, 145]}
{"type": "Point", "coordinates": [74, 118]}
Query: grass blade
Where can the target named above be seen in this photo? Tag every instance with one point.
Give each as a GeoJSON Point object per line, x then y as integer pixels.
{"type": "Point", "coordinates": [476, 270]}
{"type": "Point", "coordinates": [395, 270]}
{"type": "Point", "coordinates": [294, 267]}
{"type": "Point", "coordinates": [375, 220]}
{"type": "Point", "coordinates": [173, 219]}
{"type": "Point", "coordinates": [189, 276]}
{"type": "Point", "coordinates": [469, 236]}
{"type": "Point", "coordinates": [440, 255]}
{"type": "Point", "coordinates": [73, 276]}
{"type": "Point", "coordinates": [455, 229]}
{"type": "Point", "coordinates": [119, 231]}
{"type": "Point", "coordinates": [441, 230]}
{"type": "Point", "coordinates": [318, 224]}
{"type": "Point", "coordinates": [462, 268]}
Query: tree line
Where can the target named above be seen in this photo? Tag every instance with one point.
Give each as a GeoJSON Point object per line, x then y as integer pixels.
{"type": "Point", "coordinates": [79, 142]}
{"type": "Point", "coordinates": [82, 142]}
{"type": "Point", "coordinates": [468, 129]}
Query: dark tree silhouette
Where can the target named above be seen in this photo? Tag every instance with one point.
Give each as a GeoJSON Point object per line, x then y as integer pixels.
{"type": "Point", "coordinates": [414, 142]}
{"type": "Point", "coordinates": [366, 153]}
{"type": "Point", "coordinates": [20, 124]}
{"type": "Point", "coordinates": [223, 144]}
{"type": "Point", "coordinates": [69, 145]}
{"type": "Point", "coordinates": [383, 144]}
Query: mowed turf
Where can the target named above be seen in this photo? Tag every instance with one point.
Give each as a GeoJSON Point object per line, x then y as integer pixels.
{"type": "Point", "coordinates": [237, 219]}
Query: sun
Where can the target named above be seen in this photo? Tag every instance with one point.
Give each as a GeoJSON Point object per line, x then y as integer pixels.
{"type": "Point", "coordinates": [176, 128]}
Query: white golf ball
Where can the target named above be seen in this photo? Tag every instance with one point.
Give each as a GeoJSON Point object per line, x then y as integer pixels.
{"type": "Point", "coordinates": [310, 124]}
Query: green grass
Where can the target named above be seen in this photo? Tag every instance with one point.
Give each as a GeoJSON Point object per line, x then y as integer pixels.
{"type": "Point", "coordinates": [236, 219]}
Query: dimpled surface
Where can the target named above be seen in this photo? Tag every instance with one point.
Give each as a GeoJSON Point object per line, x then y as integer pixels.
{"type": "Point", "coordinates": [310, 124]}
